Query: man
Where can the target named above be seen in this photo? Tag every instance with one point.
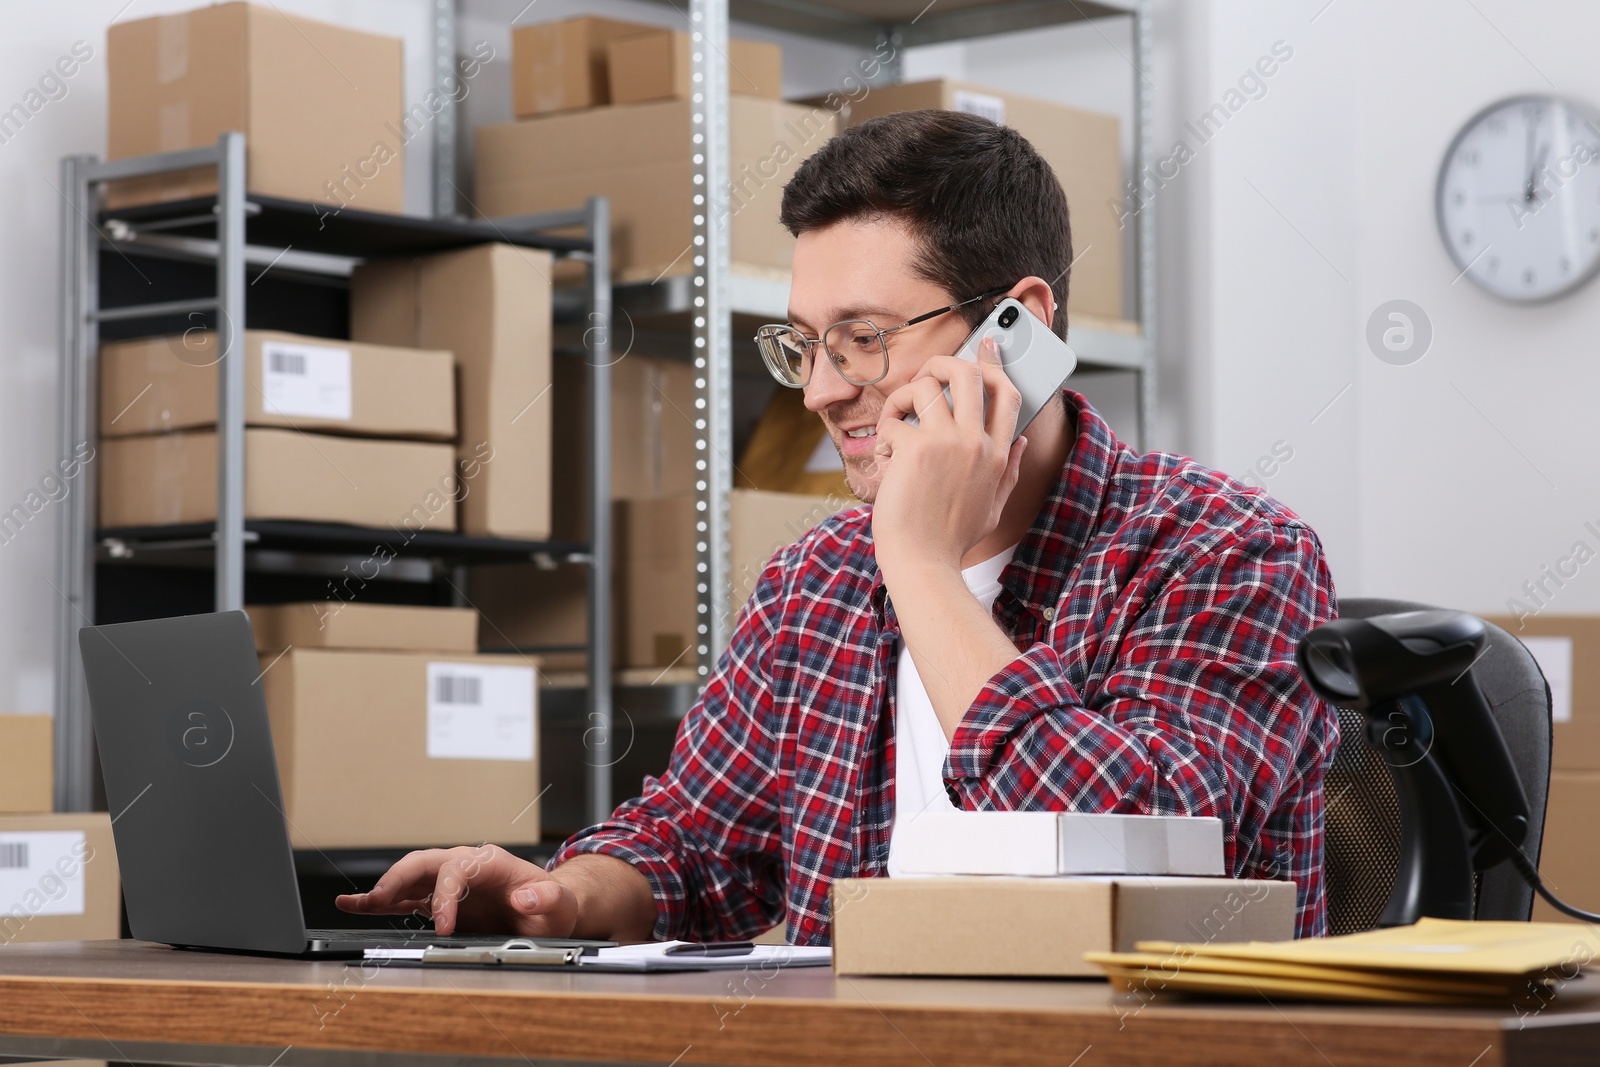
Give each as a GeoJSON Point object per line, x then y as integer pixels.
{"type": "Point", "coordinates": [1055, 624]}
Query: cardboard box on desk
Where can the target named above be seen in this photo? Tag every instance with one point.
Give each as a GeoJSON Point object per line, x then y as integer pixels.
{"type": "Point", "coordinates": [158, 384]}
{"type": "Point", "coordinates": [399, 749]}
{"type": "Point", "coordinates": [338, 624]}
{"type": "Point", "coordinates": [655, 65]}
{"type": "Point", "coordinates": [172, 478]}
{"type": "Point", "coordinates": [61, 879]}
{"type": "Point", "coordinates": [490, 306]}
{"type": "Point", "coordinates": [27, 763]}
{"type": "Point", "coordinates": [1569, 863]}
{"type": "Point", "coordinates": [1039, 927]}
{"type": "Point", "coordinates": [560, 66]}
{"type": "Point", "coordinates": [638, 155]}
{"type": "Point", "coordinates": [1082, 147]}
{"type": "Point", "coordinates": [1568, 650]}
{"type": "Point", "coordinates": [652, 436]}
{"type": "Point", "coordinates": [321, 106]}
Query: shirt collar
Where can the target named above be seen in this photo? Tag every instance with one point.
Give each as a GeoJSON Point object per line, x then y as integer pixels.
{"type": "Point", "coordinates": [1067, 522]}
{"type": "Point", "coordinates": [1070, 516]}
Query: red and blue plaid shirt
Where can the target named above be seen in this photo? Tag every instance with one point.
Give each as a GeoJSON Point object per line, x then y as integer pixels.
{"type": "Point", "coordinates": [1155, 605]}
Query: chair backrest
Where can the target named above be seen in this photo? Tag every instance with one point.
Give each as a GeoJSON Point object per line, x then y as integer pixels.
{"type": "Point", "coordinates": [1362, 825]}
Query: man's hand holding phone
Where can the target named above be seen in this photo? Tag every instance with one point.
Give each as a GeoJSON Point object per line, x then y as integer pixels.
{"type": "Point", "coordinates": [947, 478]}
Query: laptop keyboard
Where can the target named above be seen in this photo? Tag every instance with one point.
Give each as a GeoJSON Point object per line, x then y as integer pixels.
{"type": "Point", "coordinates": [422, 938]}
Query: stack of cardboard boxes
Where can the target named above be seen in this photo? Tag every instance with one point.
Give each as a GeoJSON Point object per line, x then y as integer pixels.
{"type": "Point", "coordinates": [58, 873]}
{"type": "Point", "coordinates": [447, 739]}
{"type": "Point", "coordinates": [603, 109]}
{"type": "Point", "coordinates": [335, 431]}
{"type": "Point", "coordinates": [1568, 650]}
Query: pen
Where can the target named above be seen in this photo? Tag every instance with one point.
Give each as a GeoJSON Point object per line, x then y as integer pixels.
{"type": "Point", "coordinates": [718, 948]}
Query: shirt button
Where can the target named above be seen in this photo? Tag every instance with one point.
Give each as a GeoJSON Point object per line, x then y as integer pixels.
{"type": "Point", "coordinates": [1049, 614]}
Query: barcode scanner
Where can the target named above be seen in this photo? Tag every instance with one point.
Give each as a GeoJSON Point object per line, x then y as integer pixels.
{"type": "Point", "coordinates": [1462, 805]}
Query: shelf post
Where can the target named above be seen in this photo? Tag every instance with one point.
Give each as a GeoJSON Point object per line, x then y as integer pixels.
{"type": "Point", "coordinates": [1145, 221]}
{"type": "Point", "coordinates": [713, 327]}
{"type": "Point", "coordinates": [230, 376]}
{"type": "Point", "coordinates": [79, 279]}
{"type": "Point", "coordinates": [600, 753]}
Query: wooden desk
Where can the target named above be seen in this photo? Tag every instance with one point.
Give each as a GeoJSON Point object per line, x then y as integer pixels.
{"type": "Point", "coordinates": [133, 1001]}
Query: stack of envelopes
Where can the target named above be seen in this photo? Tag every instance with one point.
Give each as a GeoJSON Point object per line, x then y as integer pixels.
{"type": "Point", "coordinates": [1436, 961]}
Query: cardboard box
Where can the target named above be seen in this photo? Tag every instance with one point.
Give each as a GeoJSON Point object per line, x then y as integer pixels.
{"type": "Point", "coordinates": [652, 436]}
{"type": "Point", "coordinates": [321, 107]}
{"type": "Point", "coordinates": [656, 576]}
{"type": "Point", "coordinates": [1040, 927]}
{"type": "Point", "coordinates": [402, 749]}
{"type": "Point", "coordinates": [638, 155]}
{"type": "Point", "coordinates": [791, 451]}
{"type": "Point", "coordinates": [490, 306]}
{"type": "Point", "coordinates": [1083, 147]}
{"type": "Point", "coordinates": [1058, 842]}
{"type": "Point", "coordinates": [27, 763]}
{"type": "Point", "coordinates": [1568, 650]}
{"type": "Point", "coordinates": [62, 882]}
{"type": "Point", "coordinates": [337, 624]}
{"type": "Point", "coordinates": [1569, 862]}
{"type": "Point", "coordinates": [559, 66]}
{"type": "Point", "coordinates": [525, 606]}
{"type": "Point", "coordinates": [172, 478]}
{"type": "Point", "coordinates": [656, 66]}
{"type": "Point", "coordinates": [158, 384]}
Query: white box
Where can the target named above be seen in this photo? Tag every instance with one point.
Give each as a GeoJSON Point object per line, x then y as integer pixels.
{"type": "Point", "coordinates": [1058, 842]}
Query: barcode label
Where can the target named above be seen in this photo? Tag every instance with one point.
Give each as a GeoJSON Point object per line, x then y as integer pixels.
{"type": "Point", "coordinates": [480, 711]}
{"type": "Point", "coordinates": [992, 108]}
{"type": "Point", "coordinates": [306, 381]}
{"type": "Point", "coordinates": [42, 872]}
{"type": "Point", "coordinates": [281, 362]}
{"type": "Point", "coordinates": [458, 689]}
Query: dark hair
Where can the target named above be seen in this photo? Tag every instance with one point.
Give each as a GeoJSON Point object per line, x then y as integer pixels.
{"type": "Point", "coordinates": [985, 206]}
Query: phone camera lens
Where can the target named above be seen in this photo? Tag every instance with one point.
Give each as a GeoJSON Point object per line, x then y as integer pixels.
{"type": "Point", "coordinates": [1008, 316]}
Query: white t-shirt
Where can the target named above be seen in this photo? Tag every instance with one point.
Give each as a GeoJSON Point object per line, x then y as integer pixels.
{"type": "Point", "coordinates": [920, 747]}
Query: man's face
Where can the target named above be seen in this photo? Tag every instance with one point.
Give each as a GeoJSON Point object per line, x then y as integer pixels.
{"type": "Point", "coordinates": [864, 270]}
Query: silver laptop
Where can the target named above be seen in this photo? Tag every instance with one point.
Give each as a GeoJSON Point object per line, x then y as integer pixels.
{"type": "Point", "coordinates": [192, 783]}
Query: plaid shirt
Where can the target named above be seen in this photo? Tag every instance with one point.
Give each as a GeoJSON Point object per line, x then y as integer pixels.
{"type": "Point", "coordinates": [1155, 605]}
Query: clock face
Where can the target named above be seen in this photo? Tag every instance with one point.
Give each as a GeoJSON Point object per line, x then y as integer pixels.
{"type": "Point", "coordinates": [1519, 198]}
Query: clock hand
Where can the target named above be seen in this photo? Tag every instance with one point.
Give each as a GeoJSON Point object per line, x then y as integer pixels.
{"type": "Point", "coordinates": [1527, 154]}
{"type": "Point", "coordinates": [1532, 192]}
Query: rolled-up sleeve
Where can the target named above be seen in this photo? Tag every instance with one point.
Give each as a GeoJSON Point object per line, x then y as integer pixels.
{"type": "Point", "coordinates": [706, 833]}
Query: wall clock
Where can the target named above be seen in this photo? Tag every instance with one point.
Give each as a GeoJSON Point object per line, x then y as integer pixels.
{"type": "Point", "coordinates": [1518, 198]}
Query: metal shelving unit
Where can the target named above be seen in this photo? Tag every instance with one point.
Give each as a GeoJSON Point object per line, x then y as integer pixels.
{"type": "Point", "coordinates": [713, 294]}
{"type": "Point", "coordinates": [194, 255]}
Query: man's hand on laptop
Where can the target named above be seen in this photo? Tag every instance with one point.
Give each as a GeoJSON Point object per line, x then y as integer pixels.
{"type": "Point", "coordinates": [485, 889]}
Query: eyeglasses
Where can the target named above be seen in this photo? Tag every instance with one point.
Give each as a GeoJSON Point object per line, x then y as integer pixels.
{"type": "Point", "coordinates": [856, 347]}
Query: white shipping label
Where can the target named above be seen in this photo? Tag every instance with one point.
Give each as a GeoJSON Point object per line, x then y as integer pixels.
{"type": "Point", "coordinates": [992, 108]}
{"type": "Point", "coordinates": [312, 381]}
{"type": "Point", "coordinates": [480, 712]}
{"type": "Point", "coordinates": [1554, 655]}
{"type": "Point", "coordinates": [41, 872]}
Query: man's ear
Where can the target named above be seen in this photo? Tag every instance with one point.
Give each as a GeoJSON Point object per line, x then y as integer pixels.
{"type": "Point", "coordinates": [1035, 294]}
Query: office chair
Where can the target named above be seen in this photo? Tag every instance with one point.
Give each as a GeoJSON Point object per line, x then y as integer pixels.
{"type": "Point", "coordinates": [1362, 821]}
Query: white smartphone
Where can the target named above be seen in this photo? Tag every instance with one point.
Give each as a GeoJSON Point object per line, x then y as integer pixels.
{"type": "Point", "coordinates": [1034, 358]}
